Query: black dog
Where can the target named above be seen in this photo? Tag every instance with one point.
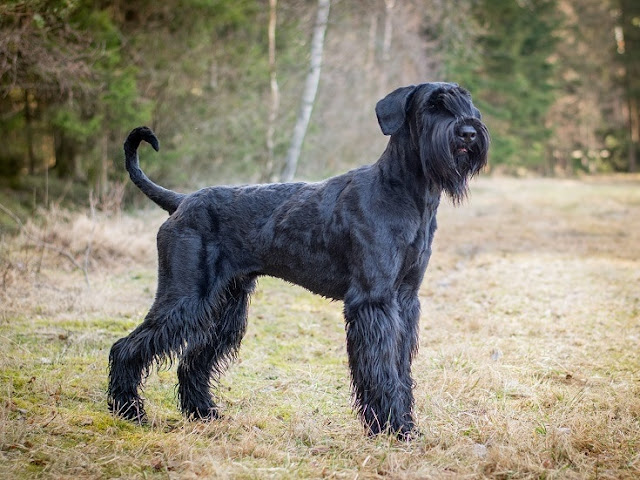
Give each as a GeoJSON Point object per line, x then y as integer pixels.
{"type": "Point", "coordinates": [363, 237]}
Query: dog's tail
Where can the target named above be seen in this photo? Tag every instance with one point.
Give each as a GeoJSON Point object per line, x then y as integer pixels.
{"type": "Point", "coordinates": [166, 199]}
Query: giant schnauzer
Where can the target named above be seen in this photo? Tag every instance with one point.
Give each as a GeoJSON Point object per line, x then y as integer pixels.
{"type": "Point", "coordinates": [363, 237]}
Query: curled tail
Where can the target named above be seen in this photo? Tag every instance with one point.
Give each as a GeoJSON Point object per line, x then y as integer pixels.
{"type": "Point", "coordinates": [166, 199]}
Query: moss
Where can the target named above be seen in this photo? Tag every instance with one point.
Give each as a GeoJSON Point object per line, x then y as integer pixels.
{"type": "Point", "coordinates": [560, 400]}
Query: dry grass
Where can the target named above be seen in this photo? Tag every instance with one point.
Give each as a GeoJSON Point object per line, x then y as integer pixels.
{"type": "Point", "coordinates": [528, 367]}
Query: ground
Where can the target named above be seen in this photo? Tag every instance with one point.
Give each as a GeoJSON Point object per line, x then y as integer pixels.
{"type": "Point", "coordinates": [528, 364]}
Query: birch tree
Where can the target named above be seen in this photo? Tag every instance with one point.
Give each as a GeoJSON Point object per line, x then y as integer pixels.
{"type": "Point", "coordinates": [386, 45]}
{"type": "Point", "coordinates": [275, 92]}
{"type": "Point", "coordinates": [309, 93]}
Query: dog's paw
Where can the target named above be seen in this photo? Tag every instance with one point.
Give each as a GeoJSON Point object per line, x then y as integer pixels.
{"type": "Point", "coordinates": [202, 414]}
{"type": "Point", "coordinates": [132, 410]}
{"type": "Point", "coordinates": [409, 435]}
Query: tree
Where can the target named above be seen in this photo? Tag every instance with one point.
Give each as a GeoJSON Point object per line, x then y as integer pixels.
{"type": "Point", "coordinates": [46, 59]}
{"type": "Point", "coordinates": [629, 52]}
{"type": "Point", "coordinates": [509, 68]}
{"type": "Point", "coordinates": [275, 92]}
{"type": "Point", "coordinates": [309, 93]}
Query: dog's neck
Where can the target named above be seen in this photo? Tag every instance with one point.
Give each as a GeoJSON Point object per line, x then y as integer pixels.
{"type": "Point", "coordinates": [400, 162]}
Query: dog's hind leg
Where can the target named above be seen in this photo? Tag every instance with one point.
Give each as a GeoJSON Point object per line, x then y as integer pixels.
{"type": "Point", "coordinates": [181, 316]}
{"type": "Point", "coordinates": [206, 359]}
{"type": "Point", "coordinates": [131, 357]}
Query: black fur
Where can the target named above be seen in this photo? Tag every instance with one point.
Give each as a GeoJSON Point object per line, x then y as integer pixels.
{"type": "Point", "coordinates": [363, 237]}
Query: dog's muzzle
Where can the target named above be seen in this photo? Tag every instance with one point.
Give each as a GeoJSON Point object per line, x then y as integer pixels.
{"type": "Point", "coordinates": [467, 134]}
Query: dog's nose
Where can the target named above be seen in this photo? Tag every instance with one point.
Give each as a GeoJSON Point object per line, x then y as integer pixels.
{"type": "Point", "coordinates": [467, 133]}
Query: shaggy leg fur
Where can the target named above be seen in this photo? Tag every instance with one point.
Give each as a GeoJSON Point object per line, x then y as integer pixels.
{"type": "Point", "coordinates": [182, 320]}
{"type": "Point", "coordinates": [200, 361]}
{"type": "Point", "coordinates": [380, 370]}
{"type": "Point", "coordinates": [129, 361]}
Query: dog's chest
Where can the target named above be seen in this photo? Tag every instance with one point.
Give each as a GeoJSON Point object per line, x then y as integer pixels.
{"type": "Point", "coordinates": [418, 251]}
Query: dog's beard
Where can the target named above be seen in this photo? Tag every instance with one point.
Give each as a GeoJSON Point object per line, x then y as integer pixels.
{"type": "Point", "coordinates": [448, 161]}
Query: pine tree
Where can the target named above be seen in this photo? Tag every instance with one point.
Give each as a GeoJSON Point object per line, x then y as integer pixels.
{"type": "Point", "coordinates": [629, 50]}
{"type": "Point", "coordinates": [509, 69]}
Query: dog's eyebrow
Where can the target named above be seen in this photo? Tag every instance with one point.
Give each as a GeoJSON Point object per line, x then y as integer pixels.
{"type": "Point", "coordinates": [455, 101]}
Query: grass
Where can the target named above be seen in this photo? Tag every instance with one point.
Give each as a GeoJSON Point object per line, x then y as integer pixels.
{"type": "Point", "coordinates": [528, 364]}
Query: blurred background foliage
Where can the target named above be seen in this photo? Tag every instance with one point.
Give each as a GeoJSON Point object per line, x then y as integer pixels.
{"type": "Point", "coordinates": [557, 80]}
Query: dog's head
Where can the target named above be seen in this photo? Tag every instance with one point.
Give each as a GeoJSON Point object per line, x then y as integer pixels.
{"type": "Point", "coordinates": [445, 130]}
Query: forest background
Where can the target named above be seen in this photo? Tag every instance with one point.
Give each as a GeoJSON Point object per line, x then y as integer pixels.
{"type": "Point", "coordinates": [557, 80]}
{"type": "Point", "coordinates": [529, 331]}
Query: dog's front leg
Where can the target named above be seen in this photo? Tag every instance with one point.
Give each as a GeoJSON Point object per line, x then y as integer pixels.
{"type": "Point", "coordinates": [380, 379]}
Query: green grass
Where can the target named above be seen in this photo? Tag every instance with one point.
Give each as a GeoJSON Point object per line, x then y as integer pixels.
{"type": "Point", "coordinates": [528, 364]}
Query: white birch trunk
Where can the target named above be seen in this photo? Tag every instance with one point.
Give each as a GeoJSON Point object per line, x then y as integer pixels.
{"type": "Point", "coordinates": [275, 92]}
{"type": "Point", "coordinates": [309, 93]}
{"type": "Point", "coordinates": [386, 46]}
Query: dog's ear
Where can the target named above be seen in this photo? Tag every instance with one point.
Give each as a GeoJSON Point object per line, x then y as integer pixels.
{"type": "Point", "coordinates": [392, 109]}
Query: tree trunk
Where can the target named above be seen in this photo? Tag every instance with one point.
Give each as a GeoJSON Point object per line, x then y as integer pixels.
{"type": "Point", "coordinates": [634, 133]}
{"type": "Point", "coordinates": [630, 51]}
{"type": "Point", "coordinates": [309, 93]}
{"type": "Point", "coordinates": [103, 178]}
{"type": "Point", "coordinates": [275, 93]}
{"type": "Point", "coordinates": [65, 154]}
{"type": "Point", "coordinates": [28, 131]}
{"type": "Point", "coordinates": [386, 45]}
{"type": "Point", "coordinates": [388, 30]}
